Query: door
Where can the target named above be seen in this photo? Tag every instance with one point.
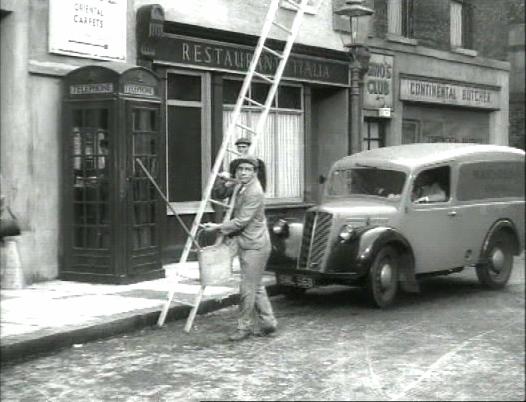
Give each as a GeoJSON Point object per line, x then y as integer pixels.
{"type": "Point", "coordinates": [373, 134]}
{"type": "Point", "coordinates": [88, 228]}
{"type": "Point", "coordinates": [432, 222]}
{"type": "Point", "coordinates": [144, 204]}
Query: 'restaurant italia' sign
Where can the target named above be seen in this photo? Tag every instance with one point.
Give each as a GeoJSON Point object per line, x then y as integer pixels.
{"type": "Point", "coordinates": [230, 57]}
{"type": "Point", "coordinates": [451, 93]}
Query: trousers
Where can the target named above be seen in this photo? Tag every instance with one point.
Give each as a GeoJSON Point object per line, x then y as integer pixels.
{"type": "Point", "coordinates": [254, 306]}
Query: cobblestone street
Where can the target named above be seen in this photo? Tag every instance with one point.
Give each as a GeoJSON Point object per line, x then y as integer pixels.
{"type": "Point", "coordinates": [454, 341]}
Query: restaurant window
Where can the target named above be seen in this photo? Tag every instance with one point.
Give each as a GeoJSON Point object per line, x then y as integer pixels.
{"type": "Point", "coordinates": [187, 138]}
{"type": "Point", "coordinates": [400, 18]}
{"type": "Point", "coordinates": [461, 24]}
{"type": "Point", "coordinates": [281, 144]}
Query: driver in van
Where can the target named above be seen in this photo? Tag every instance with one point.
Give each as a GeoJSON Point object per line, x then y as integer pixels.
{"type": "Point", "coordinates": [427, 189]}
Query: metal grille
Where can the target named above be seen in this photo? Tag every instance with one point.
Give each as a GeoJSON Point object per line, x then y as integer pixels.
{"type": "Point", "coordinates": [314, 243]}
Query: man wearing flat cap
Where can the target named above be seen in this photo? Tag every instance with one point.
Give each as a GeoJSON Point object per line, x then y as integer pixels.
{"type": "Point", "coordinates": [248, 229]}
{"type": "Point", "coordinates": [242, 145]}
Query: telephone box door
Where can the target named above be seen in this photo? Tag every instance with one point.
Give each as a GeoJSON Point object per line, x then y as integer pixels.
{"type": "Point", "coordinates": [144, 202]}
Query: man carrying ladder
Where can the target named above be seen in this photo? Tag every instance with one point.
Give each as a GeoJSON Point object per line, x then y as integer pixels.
{"type": "Point", "coordinates": [254, 188]}
{"type": "Point", "coordinates": [248, 229]}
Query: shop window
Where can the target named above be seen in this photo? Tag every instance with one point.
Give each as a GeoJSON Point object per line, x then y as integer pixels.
{"type": "Point", "coordinates": [410, 131]}
{"type": "Point", "coordinates": [461, 13]}
{"type": "Point", "coordinates": [444, 124]}
{"type": "Point", "coordinates": [400, 18]}
{"type": "Point", "coordinates": [281, 145]}
{"type": "Point", "coordinates": [187, 139]}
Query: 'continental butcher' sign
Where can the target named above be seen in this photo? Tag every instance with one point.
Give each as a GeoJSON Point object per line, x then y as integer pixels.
{"type": "Point", "coordinates": [230, 57]}
{"type": "Point", "coordinates": [450, 93]}
{"type": "Point", "coordinates": [88, 28]}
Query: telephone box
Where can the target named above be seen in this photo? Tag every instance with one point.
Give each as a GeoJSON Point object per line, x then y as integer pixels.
{"type": "Point", "coordinates": [111, 213]}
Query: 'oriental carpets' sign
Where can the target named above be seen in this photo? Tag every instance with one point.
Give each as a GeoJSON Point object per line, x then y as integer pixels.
{"type": "Point", "coordinates": [88, 28]}
{"type": "Point", "coordinates": [229, 57]}
{"type": "Point", "coordinates": [378, 82]}
{"type": "Point", "coordinates": [450, 93]}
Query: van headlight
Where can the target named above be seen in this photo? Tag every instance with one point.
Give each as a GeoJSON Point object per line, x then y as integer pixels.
{"type": "Point", "coordinates": [281, 228]}
{"type": "Point", "coordinates": [346, 233]}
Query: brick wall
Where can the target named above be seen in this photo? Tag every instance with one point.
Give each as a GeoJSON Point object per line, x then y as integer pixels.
{"type": "Point", "coordinates": [431, 23]}
{"type": "Point", "coordinates": [517, 122]}
{"type": "Point", "coordinates": [490, 28]}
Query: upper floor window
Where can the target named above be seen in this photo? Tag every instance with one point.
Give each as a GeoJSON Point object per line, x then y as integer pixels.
{"type": "Point", "coordinates": [400, 18]}
{"type": "Point", "coordinates": [461, 24]}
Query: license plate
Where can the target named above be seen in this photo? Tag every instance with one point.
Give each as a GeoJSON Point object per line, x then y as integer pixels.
{"type": "Point", "coordinates": [298, 281]}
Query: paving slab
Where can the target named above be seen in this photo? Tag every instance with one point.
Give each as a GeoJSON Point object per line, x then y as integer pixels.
{"type": "Point", "coordinates": [49, 315]}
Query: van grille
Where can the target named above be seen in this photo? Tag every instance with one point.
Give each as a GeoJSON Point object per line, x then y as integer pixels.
{"type": "Point", "coordinates": [316, 232]}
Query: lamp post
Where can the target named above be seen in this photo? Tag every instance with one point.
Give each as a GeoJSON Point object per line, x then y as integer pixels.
{"type": "Point", "coordinates": [359, 63]}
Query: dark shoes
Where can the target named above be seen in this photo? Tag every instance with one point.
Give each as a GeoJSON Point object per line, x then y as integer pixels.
{"type": "Point", "coordinates": [239, 335]}
{"type": "Point", "coordinates": [266, 331]}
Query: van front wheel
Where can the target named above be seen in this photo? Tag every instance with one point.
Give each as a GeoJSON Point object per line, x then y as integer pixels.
{"type": "Point", "coordinates": [494, 272]}
{"type": "Point", "coordinates": [382, 281]}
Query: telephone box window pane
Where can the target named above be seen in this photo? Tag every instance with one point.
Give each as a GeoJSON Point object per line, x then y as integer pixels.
{"type": "Point", "coordinates": [144, 120]}
{"type": "Point", "coordinates": [78, 237]}
{"type": "Point", "coordinates": [184, 87]}
{"type": "Point", "coordinates": [184, 153]}
{"type": "Point", "coordinates": [144, 144]}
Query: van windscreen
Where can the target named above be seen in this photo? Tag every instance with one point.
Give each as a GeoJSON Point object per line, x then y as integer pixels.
{"type": "Point", "coordinates": [366, 181]}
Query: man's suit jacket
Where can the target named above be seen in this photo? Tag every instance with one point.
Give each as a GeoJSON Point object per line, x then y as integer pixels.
{"type": "Point", "coordinates": [248, 224]}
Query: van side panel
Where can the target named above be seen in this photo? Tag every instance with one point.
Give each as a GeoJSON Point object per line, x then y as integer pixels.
{"type": "Point", "coordinates": [487, 192]}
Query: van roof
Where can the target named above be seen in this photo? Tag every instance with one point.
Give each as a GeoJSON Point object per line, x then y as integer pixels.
{"type": "Point", "coordinates": [414, 155]}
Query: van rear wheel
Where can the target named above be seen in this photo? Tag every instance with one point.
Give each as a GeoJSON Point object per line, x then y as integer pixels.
{"type": "Point", "coordinates": [495, 271]}
{"type": "Point", "coordinates": [382, 281]}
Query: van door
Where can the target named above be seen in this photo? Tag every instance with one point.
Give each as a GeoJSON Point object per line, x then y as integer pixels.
{"type": "Point", "coordinates": [432, 222]}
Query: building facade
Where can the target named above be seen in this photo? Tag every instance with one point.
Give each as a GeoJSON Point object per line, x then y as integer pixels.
{"type": "Point", "coordinates": [434, 75]}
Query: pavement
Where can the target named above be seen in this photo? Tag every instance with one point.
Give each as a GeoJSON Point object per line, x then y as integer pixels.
{"type": "Point", "coordinates": [47, 316]}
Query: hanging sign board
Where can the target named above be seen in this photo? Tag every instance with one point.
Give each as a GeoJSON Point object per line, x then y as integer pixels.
{"type": "Point", "coordinates": [378, 82]}
{"type": "Point", "coordinates": [94, 29]}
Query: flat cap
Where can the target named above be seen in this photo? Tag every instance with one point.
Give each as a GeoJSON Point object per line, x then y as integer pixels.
{"type": "Point", "coordinates": [247, 159]}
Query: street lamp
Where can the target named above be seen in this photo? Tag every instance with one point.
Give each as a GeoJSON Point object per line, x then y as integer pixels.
{"type": "Point", "coordinates": [359, 62]}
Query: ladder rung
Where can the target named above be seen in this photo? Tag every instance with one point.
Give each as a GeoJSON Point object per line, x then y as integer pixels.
{"type": "Point", "coordinates": [281, 26]}
{"type": "Point", "coordinates": [293, 4]}
{"type": "Point", "coordinates": [272, 51]}
{"type": "Point", "coordinates": [223, 204]}
{"type": "Point", "coordinates": [246, 128]}
{"type": "Point", "coordinates": [252, 101]}
{"type": "Point", "coordinates": [263, 76]}
{"type": "Point", "coordinates": [233, 151]}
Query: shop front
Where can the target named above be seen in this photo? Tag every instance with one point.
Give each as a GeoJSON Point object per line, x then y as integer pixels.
{"type": "Point", "coordinates": [202, 70]}
{"type": "Point", "coordinates": [446, 111]}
